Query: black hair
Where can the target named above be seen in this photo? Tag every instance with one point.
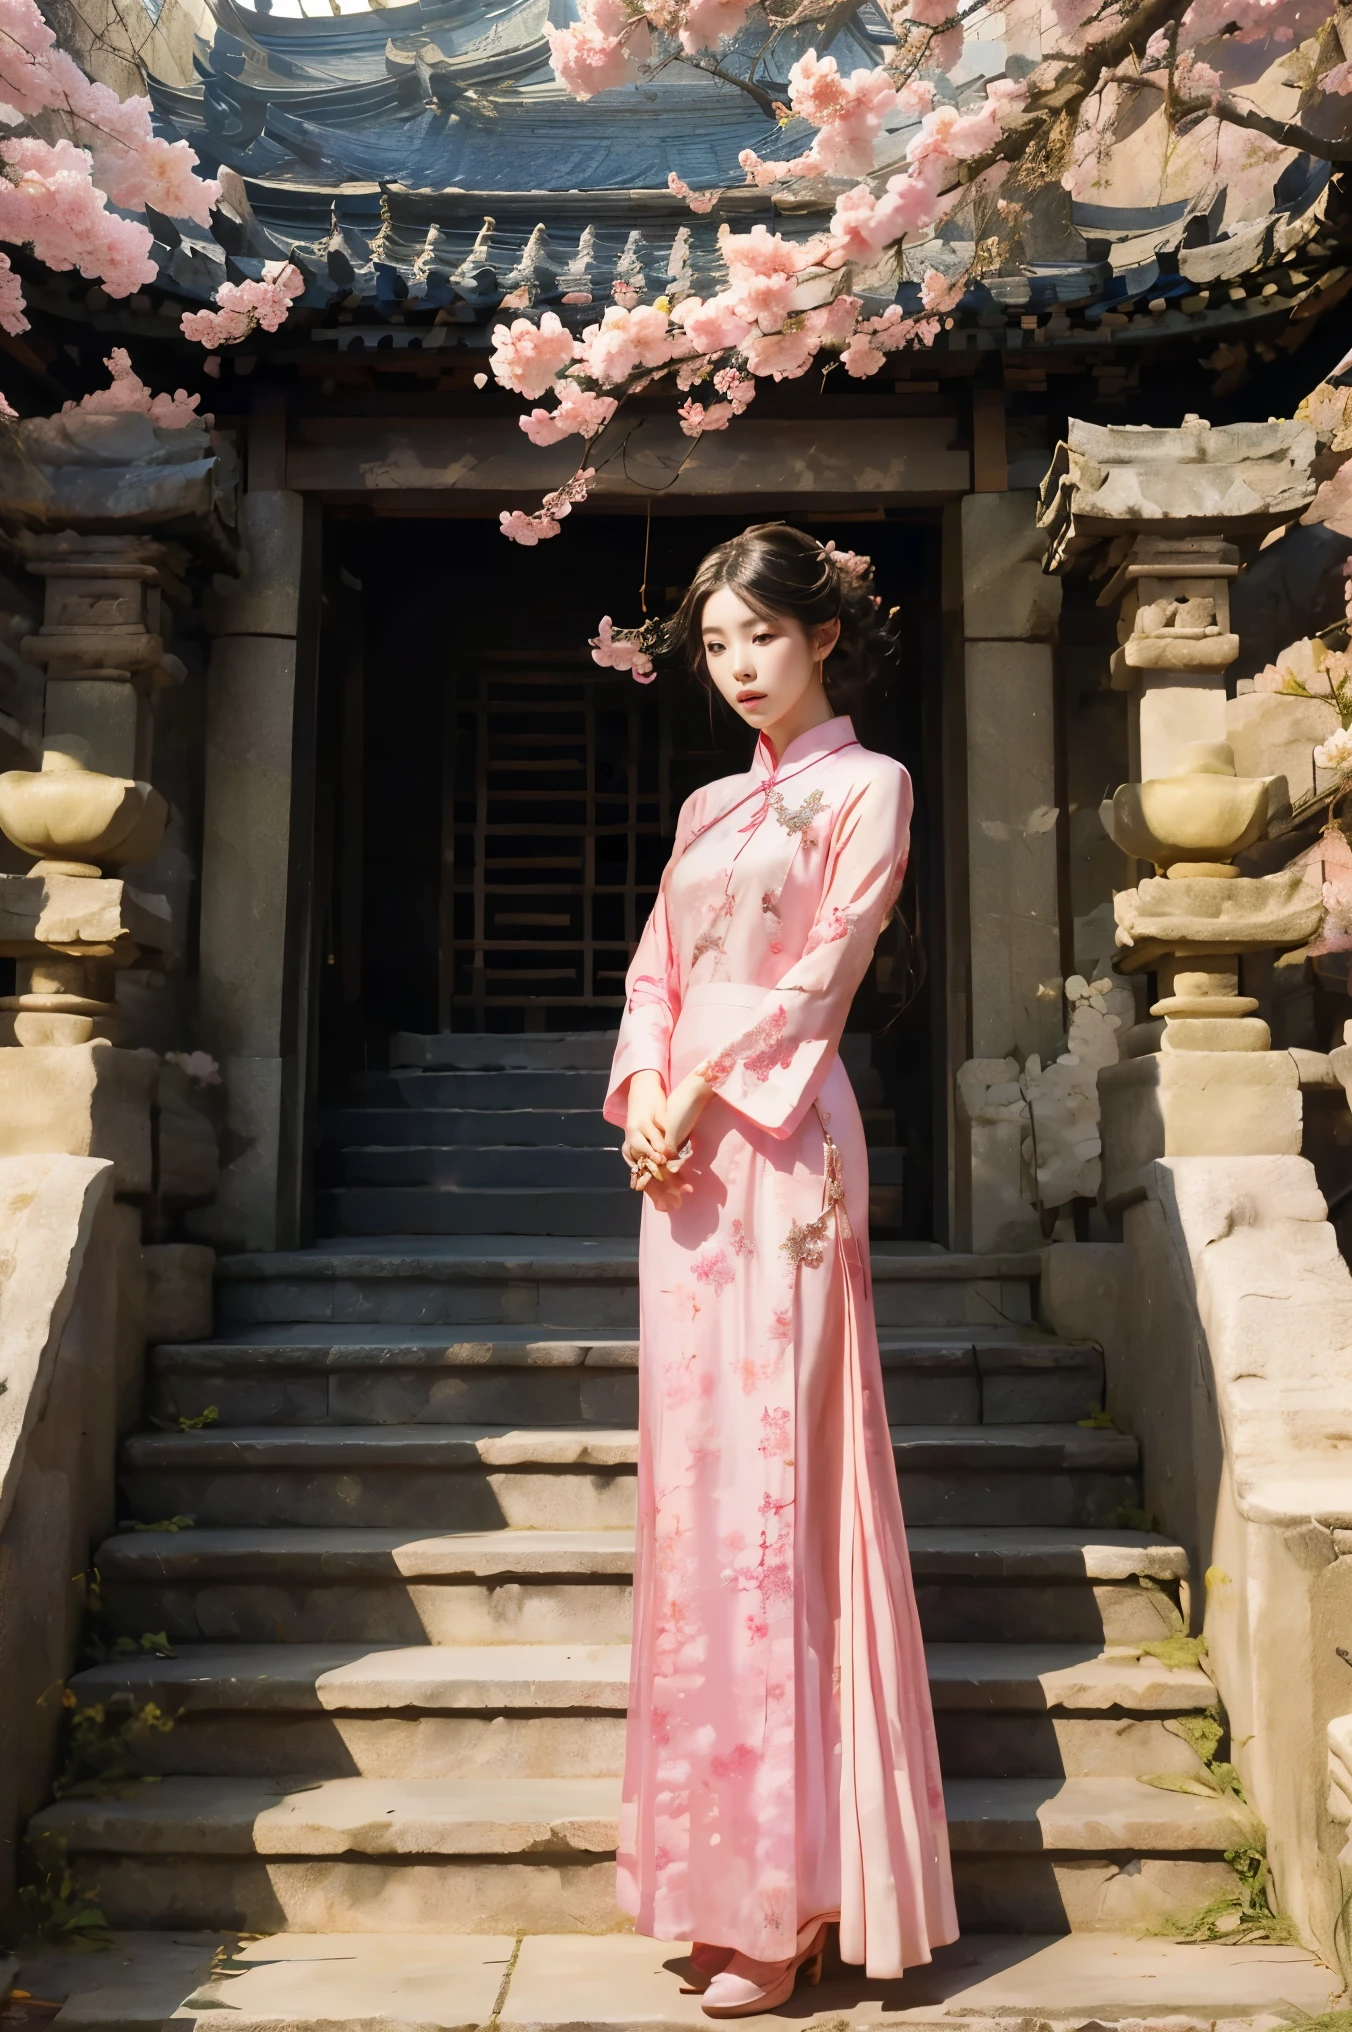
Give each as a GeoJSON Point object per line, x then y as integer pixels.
{"type": "Point", "coordinates": [783, 573]}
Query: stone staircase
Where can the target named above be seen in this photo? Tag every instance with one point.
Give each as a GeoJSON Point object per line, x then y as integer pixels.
{"type": "Point", "coordinates": [399, 1618]}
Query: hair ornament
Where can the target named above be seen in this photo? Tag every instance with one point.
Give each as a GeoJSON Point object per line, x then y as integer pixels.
{"type": "Point", "coordinates": [852, 562]}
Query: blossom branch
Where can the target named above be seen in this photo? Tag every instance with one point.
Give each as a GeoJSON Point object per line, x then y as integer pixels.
{"type": "Point", "coordinates": [1218, 106]}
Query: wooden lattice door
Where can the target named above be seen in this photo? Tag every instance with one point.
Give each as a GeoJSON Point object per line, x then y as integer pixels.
{"type": "Point", "coordinates": [555, 816]}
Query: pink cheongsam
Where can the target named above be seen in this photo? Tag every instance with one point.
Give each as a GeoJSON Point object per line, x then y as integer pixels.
{"type": "Point", "coordinates": [781, 1763]}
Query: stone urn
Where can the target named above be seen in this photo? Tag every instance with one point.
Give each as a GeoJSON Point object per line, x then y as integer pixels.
{"type": "Point", "coordinates": [73, 818]}
{"type": "Point", "coordinates": [1192, 821]}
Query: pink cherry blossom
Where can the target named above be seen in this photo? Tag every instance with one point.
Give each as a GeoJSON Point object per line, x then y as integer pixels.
{"type": "Point", "coordinates": [940, 292]}
{"type": "Point", "coordinates": [135, 167]}
{"type": "Point", "coordinates": [762, 174]}
{"type": "Point", "coordinates": [696, 419]}
{"type": "Point", "coordinates": [763, 300]}
{"type": "Point", "coordinates": [712, 326]}
{"type": "Point", "coordinates": [527, 357]}
{"type": "Point", "coordinates": [941, 49]}
{"type": "Point", "coordinates": [624, 341]}
{"type": "Point", "coordinates": [527, 530]}
{"type": "Point", "coordinates": [832, 323]}
{"type": "Point", "coordinates": [246, 306]}
{"type": "Point", "coordinates": [759, 252]}
{"type": "Point", "coordinates": [50, 201]}
{"type": "Point", "coordinates": [604, 48]}
{"type": "Point", "coordinates": [856, 562]}
{"type": "Point", "coordinates": [127, 394]}
{"type": "Point", "coordinates": [565, 498]}
{"type": "Point", "coordinates": [697, 201]}
{"type": "Point", "coordinates": [849, 112]}
{"type": "Point", "coordinates": [862, 225]}
{"type": "Point", "coordinates": [708, 21]}
{"type": "Point", "coordinates": [579, 412]}
{"type": "Point", "coordinates": [739, 390]}
{"type": "Point", "coordinates": [621, 652]}
{"type": "Point", "coordinates": [12, 318]}
{"type": "Point", "coordinates": [860, 358]}
{"type": "Point", "coordinates": [781, 355]}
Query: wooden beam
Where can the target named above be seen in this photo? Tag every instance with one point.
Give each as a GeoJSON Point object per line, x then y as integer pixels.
{"type": "Point", "coordinates": [990, 462]}
{"type": "Point", "coordinates": [884, 460]}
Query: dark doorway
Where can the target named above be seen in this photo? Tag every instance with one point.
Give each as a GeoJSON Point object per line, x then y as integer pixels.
{"type": "Point", "coordinates": [507, 807]}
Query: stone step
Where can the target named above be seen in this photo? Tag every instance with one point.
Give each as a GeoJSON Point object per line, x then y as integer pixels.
{"type": "Point", "coordinates": [347, 1376]}
{"type": "Point", "coordinates": [480, 1478]}
{"type": "Point", "coordinates": [373, 1982]}
{"type": "Point", "coordinates": [470, 1168]}
{"type": "Point", "coordinates": [541, 1167]}
{"type": "Point", "coordinates": [481, 1210]}
{"type": "Point", "coordinates": [542, 1710]}
{"type": "Point", "coordinates": [481, 1051]}
{"type": "Point", "coordinates": [535, 1855]}
{"type": "Point", "coordinates": [570, 1283]}
{"type": "Point", "coordinates": [523, 1088]}
{"type": "Point", "coordinates": [296, 1585]}
{"type": "Point", "coordinates": [524, 1128]}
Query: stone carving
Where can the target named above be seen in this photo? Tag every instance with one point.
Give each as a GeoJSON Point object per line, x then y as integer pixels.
{"type": "Point", "coordinates": [1240, 477]}
{"type": "Point", "coordinates": [1251, 913]}
{"type": "Point", "coordinates": [1194, 820]}
{"type": "Point", "coordinates": [1176, 611]}
{"type": "Point", "coordinates": [73, 818]}
{"type": "Point", "coordinates": [93, 471]}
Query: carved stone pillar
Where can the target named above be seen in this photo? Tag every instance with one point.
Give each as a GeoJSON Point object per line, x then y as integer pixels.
{"type": "Point", "coordinates": [1161, 515]}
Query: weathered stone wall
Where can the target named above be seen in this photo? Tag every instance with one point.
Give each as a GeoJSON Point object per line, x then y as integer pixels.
{"type": "Point", "coordinates": [68, 1254]}
{"type": "Point", "coordinates": [1232, 1363]}
{"type": "Point", "coordinates": [248, 892]}
{"type": "Point", "coordinates": [1009, 611]}
{"type": "Point", "coordinates": [116, 41]}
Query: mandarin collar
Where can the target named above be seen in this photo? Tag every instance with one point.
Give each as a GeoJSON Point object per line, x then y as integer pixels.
{"type": "Point", "coordinates": [817, 741]}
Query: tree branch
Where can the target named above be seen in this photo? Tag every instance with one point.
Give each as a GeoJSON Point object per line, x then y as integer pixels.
{"type": "Point", "coordinates": [1285, 132]}
{"type": "Point", "coordinates": [716, 70]}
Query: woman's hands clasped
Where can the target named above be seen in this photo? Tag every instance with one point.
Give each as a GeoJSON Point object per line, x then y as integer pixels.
{"type": "Point", "coordinates": [657, 1135]}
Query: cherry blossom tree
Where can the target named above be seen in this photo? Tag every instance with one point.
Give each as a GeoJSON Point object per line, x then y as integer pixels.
{"type": "Point", "coordinates": [898, 149]}
{"type": "Point", "coordinates": [73, 150]}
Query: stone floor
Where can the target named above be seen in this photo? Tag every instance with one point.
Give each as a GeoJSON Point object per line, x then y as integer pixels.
{"type": "Point", "coordinates": [620, 1983]}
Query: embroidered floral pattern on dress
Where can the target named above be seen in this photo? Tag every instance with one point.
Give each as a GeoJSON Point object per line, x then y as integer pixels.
{"type": "Point", "coordinates": [759, 1048]}
{"type": "Point", "coordinates": [806, 1242]}
{"type": "Point", "coordinates": [685, 1302]}
{"type": "Point", "coordinates": [712, 937]}
{"type": "Point", "coordinates": [776, 1440]}
{"type": "Point", "coordinates": [647, 992]}
{"type": "Point", "coordinates": [800, 820]}
{"type": "Point", "coordinates": [741, 1242]}
{"type": "Point", "coordinates": [770, 909]}
{"type": "Point", "coordinates": [712, 1267]}
{"type": "Point", "coordinates": [836, 924]}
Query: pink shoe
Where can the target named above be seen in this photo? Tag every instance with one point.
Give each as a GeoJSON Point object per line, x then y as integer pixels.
{"type": "Point", "coordinates": [706, 1962]}
{"type": "Point", "coordinates": [746, 1986]}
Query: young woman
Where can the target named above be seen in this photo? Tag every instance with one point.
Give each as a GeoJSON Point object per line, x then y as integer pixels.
{"type": "Point", "coordinates": [781, 1769]}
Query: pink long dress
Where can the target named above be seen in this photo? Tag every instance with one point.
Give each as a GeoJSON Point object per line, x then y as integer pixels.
{"type": "Point", "coordinates": [780, 1763]}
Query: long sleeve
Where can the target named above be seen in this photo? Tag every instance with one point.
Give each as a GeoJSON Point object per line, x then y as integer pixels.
{"type": "Point", "coordinates": [773, 1071]}
{"type": "Point", "coordinates": [652, 1002]}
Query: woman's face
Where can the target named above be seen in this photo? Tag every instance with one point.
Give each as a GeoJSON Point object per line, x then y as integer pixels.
{"type": "Point", "coordinates": [769, 671]}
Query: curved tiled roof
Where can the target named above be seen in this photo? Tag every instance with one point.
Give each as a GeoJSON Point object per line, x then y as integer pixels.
{"type": "Point", "coordinates": [419, 162]}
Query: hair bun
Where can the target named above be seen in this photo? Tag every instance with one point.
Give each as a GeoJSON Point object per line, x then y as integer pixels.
{"type": "Point", "coordinates": [784, 572]}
